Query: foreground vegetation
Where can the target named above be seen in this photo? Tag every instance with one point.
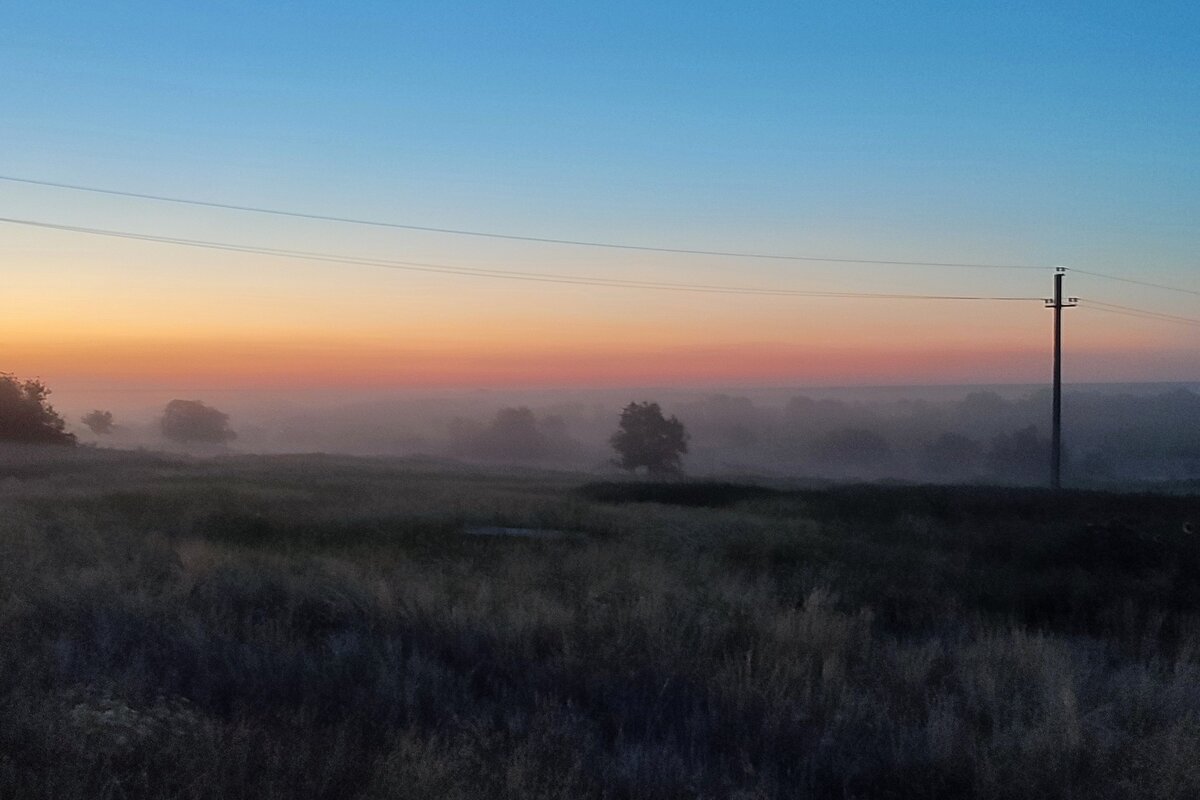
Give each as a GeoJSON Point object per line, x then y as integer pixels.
{"type": "Point", "coordinates": [316, 627]}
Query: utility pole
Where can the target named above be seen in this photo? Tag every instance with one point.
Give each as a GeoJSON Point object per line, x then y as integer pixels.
{"type": "Point", "coordinates": [1056, 424]}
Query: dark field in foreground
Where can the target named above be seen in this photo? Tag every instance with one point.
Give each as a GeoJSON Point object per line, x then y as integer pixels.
{"type": "Point", "coordinates": [296, 627]}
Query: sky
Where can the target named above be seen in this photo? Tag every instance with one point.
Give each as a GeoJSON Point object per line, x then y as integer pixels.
{"type": "Point", "coordinates": [1018, 133]}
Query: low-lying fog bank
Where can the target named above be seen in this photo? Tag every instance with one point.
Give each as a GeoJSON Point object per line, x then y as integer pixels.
{"type": "Point", "coordinates": [997, 434]}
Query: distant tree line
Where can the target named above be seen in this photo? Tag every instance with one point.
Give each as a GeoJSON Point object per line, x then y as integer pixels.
{"type": "Point", "coordinates": [27, 417]}
{"type": "Point", "coordinates": [983, 437]}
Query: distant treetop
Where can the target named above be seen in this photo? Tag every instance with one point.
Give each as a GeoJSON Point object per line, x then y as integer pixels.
{"type": "Point", "coordinates": [192, 422]}
{"type": "Point", "coordinates": [99, 422]}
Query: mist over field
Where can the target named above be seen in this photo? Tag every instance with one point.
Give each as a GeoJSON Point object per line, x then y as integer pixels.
{"type": "Point", "coordinates": [997, 434]}
{"type": "Point", "coordinates": [599, 401]}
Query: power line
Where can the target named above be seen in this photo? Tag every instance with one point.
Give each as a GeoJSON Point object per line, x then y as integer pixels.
{"type": "Point", "coordinates": [1141, 313]}
{"type": "Point", "coordinates": [506, 236]}
{"type": "Point", "coordinates": [1136, 281]}
{"type": "Point", "coordinates": [1150, 317]}
{"type": "Point", "coordinates": [478, 272]}
{"type": "Point", "coordinates": [1149, 312]}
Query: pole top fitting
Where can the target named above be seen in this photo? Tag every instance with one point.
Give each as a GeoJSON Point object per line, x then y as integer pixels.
{"type": "Point", "coordinates": [1060, 269]}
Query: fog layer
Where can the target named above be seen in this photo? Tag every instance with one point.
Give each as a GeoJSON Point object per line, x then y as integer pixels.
{"type": "Point", "coordinates": [1111, 433]}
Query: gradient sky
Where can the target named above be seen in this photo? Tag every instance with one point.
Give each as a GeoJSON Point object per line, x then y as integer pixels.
{"type": "Point", "coordinates": [1022, 133]}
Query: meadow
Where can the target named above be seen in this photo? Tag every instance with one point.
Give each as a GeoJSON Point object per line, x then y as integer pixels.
{"type": "Point", "coordinates": [327, 627]}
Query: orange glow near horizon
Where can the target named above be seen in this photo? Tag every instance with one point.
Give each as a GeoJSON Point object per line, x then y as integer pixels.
{"type": "Point", "coordinates": [271, 326]}
{"type": "Point", "coordinates": [375, 363]}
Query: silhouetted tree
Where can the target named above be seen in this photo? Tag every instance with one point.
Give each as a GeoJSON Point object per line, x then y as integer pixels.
{"type": "Point", "coordinates": [25, 416]}
{"type": "Point", "coordinates": [99, 422]}
{"type": "Point", "coordinates": [645, 438]}
{"type": "Point", "coordinates": [191, 421]}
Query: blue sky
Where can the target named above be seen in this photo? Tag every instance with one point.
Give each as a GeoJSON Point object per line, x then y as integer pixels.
{"type": "Point", "coordinates": [1012, 132]}
{"type": "Point", "coordinates": [847, 112]}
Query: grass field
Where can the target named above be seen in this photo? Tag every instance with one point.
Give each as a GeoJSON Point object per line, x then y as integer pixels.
{"type": "Point", "coordinates": [296, 627]}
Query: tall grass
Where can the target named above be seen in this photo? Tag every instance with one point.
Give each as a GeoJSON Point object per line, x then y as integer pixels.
{"type": "Point", "coordinates": [322, 628]}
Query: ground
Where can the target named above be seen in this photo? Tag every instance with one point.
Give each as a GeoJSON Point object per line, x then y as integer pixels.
{"type": "Point", "coordinates": [310, 626]}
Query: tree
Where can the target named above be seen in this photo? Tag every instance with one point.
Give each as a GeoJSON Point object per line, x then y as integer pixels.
{"type": "Point", "coordinates": [99, 422]}
{"type": "Point", "coordinates": [191, 421]}
{"type": "Point", "coordinates": [644, 438]}
{"type": "Point", "coordinates": [25, 416]}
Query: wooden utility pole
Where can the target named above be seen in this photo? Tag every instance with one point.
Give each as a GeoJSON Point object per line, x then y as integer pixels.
{"type": "Point", "coordinates": [1058, 305]}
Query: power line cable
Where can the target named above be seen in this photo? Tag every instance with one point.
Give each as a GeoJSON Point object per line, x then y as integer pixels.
{"type": "Point", "coordinates": [479, 272]}
{"type": "Point", "coordinates": [1151, 312]}
{"type": "Point", "coordinates": [1136, 281]}
{"type": "Point", "coordinates": [506, 236]}
{"type": "Point", "coordinates": [1142, 313]}
{"type": "Point", "coordinates": [1134, 315]}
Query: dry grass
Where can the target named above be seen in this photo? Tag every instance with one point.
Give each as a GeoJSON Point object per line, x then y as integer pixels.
{"type": "Point", "coordinates": [309, 627]}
